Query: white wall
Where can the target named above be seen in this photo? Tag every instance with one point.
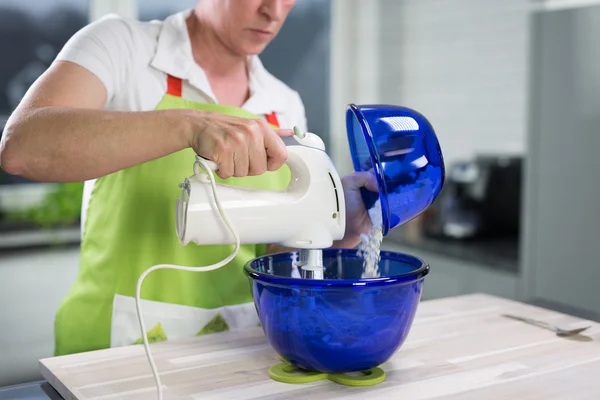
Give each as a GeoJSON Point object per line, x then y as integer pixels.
{"type": "Point", "coordinates": [462, 63]}
{"type": "Point", "coordinates": [354, 55]}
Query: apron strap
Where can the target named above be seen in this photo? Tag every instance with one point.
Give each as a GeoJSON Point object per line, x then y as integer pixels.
{"type": "Point", "coordinates": [272, 119]}
{"type": "Point", "coordinates": [175, 88]}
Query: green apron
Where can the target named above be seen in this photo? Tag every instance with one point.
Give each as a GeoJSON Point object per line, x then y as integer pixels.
{"type": "Point", "coordinates": [129, 227]}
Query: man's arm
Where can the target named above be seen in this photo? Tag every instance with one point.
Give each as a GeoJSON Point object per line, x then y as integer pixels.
{"type": "Point", "coordinates": [60, 132]}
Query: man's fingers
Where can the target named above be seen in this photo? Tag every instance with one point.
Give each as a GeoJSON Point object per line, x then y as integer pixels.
{"type": "Point", "coordinates": [371, 183]}
{"type": "Point", "coordinates": [276, 152]}
{"type": "Point", "coordinates": [258, 157]}
{"type": "Point", "coordinates": [241, 162]}
{"type": "Point", "coordinates": [284, 132]}
{"type": "Point", "coordinates": [226, 166]}
{"type": "Point", "coordinates": [359, 180]}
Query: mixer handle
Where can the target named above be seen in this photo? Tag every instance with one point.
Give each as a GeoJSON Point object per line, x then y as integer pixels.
{"type": "Point", "coordinates": [202, 160]}
{"type": "Point", "coordinates": [295, 162]}
{"type": "Point", "coordinates": [299, 138]}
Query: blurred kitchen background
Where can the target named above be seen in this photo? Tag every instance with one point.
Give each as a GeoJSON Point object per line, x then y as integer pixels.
{"type": "Point", "coordinates": [508, 86]}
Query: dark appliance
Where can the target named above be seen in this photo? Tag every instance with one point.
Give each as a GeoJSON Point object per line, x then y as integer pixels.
{"type": "Point", "coordinates": [480, 199]}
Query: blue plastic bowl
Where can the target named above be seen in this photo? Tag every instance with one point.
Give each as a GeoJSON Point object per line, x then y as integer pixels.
{"type": "Point", "coordinates": [400, 147]}
{"type": "Point", "coordinates": [342, 323]}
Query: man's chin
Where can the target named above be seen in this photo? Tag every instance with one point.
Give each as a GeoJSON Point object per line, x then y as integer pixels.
{"type": "Point", "coordinates": [254, 48]}
{"type": "Point", "coordinates": [255, 51]}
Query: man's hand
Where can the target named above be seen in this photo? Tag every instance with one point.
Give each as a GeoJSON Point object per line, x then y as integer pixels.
{"type": "Point", "coordinates": [357, 218]}
{"type": "Point", "coordinates": [240, 146]}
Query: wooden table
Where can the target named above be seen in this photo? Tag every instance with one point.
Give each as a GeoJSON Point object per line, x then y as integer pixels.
{"type": "Point", "coordinates": [459, 348]}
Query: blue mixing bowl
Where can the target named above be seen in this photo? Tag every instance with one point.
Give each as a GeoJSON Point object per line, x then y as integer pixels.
{"type": "Point", "coordinates": [342, 323]}
{"type": "Point", "coordinates": [399, 146]}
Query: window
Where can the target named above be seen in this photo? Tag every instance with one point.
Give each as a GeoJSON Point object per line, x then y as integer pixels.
{"type": "Point", "coordinates": [32, 32]}
{"type": "Point", "coordinates": [158, 9]}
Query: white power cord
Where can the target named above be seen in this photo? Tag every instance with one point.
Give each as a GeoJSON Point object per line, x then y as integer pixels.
{"type": "Point", "coordinates": [205, 166]}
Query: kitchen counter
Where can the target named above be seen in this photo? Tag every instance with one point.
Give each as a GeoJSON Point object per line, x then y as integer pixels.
{"type": "Point", "coordinates": [459, 348]}
{"type": "Point", "coordinates": [30, 391]}
{"type": "Point", "coordinates": [496, 253]}
{"type": "Point", "coordinates": [16, 236]}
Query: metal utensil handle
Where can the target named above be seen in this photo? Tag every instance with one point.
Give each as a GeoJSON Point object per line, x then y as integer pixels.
{"type": "Point", "coordinates": [531, 321]}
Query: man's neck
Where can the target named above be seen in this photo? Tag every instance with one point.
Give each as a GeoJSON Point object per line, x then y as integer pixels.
{"type": "Point", "coordinates": [211, 53]}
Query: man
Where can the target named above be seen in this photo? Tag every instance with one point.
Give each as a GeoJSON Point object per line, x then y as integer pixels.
{"type": "Point", "coordinates": [125, 107]}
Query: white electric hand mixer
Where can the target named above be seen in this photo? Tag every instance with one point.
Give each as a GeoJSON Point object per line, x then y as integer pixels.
{"type": "Point", "coordinates": [308, 215]}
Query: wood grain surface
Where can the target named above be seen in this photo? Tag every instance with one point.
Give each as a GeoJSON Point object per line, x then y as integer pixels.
{"type": "Point", "coordinates": [458, 348]}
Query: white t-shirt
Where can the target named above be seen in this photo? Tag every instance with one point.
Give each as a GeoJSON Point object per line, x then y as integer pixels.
{"type": "Point", "coordinates": [133, 58]}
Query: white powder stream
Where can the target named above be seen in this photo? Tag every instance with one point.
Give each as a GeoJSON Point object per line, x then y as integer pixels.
{"type": "Point", "coordinates": [370, 244]}
{"type": "Point", "coordinates": [369, 249]}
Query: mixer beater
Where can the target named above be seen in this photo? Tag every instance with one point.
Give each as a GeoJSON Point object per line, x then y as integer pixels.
{"type": "Point", "coordinates": [311, 263]}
